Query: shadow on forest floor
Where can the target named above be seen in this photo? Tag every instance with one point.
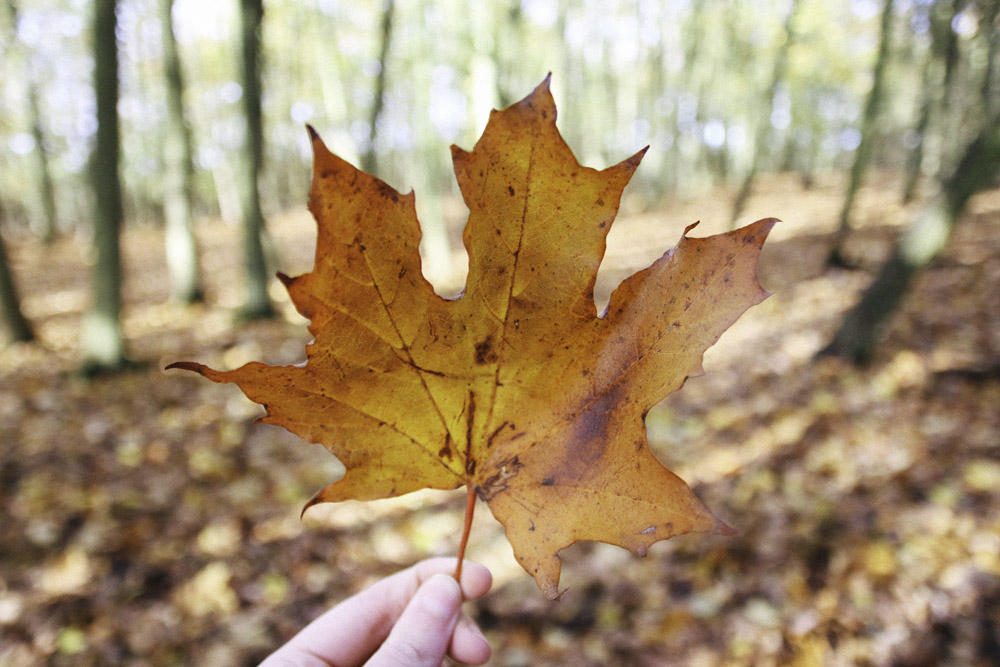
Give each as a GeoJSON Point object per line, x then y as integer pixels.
{"type": "Point", "coordinates": [148, 522]}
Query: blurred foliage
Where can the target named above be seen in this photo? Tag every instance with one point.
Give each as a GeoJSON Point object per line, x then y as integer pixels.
{"type": "Point", "coordinates": [147, 521]}
{"type": "Point", "coordinates": [685, 77]}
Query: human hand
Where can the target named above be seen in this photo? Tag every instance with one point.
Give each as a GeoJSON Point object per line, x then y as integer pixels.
{"type": "Point", "coordinates": [412, 618]}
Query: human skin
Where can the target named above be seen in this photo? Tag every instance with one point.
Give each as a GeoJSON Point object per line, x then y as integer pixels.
{"type": "Point", "coordinates": [412, 618]}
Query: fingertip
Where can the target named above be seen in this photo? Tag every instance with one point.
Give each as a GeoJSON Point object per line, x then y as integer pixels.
{"type": "Point", "coordinates": [468, 645]}
{"type": "Point", "coordinates": [424, 630]}
{"type": "Point", "coordinates": [476, 580]}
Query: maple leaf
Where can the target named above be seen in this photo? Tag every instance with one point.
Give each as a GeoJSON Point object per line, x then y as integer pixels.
{"type": "Point", "coordinates": [517, 389]}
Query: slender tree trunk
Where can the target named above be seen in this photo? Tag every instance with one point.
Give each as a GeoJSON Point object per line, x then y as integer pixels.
{"type": "Point", "coordinates": [507, 45]}
{"type": "Point", "coordinates": [949, 124]}
{"type": "Point", "coordinates": [862, 156]}
{"type": "Point", "coordinates": [915, 156]}
{"type": "Point", "coordinates": [18, 328]}
{"type": "Point", "coordinates": [369, 160]}
{"type": "Point", "coordinates": [764, 128]}
{"type": "Point", "coordinates": [178, 176]}
{"type": "Point", "coordinates": [920, 243]}
{"type": "Point", "coordinates": [257, 304]}
{"type": "Point", "coordinates": [659, 182]}
{"type": "Point", "coordinates": [43, 171]}
{"type": "Point", "coordinates": [102, 344]}
{"type": "Point", "coordinates": [991, 85]}
{"type": "Point", "coordinates": [695, 33]}
{"type": "Point", "coordinates": [48, 223]}
{"type": "Point", "coordinates": [334, 86]}
{"type": "Point", "coordinates": [938, 80]}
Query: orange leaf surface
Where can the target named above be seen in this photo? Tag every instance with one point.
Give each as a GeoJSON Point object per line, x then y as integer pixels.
{"type": "Point", "coordinates": [517, 388]}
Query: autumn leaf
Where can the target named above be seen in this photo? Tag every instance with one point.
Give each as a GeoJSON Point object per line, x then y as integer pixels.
{"type": "Point", "coordinates": [518, 388]}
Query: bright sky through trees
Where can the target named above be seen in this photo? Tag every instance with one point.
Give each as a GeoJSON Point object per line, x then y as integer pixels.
{"type": "Point", "coordinates": [686, 78]}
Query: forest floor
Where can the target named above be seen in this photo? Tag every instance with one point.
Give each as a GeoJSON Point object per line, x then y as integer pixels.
{"type": "Point", "coordinates": [148, 522]}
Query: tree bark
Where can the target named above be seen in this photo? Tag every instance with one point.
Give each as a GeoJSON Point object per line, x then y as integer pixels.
{"type": "Point", "coordinates": [915, 156]}
{"type": "Point", "coordinates": [46, 191]}
{"type": "Point", "coordinates": [102, 343]}
{"type": "Point", "coordinates": [991, 30]}
{"type": "Point", "coordinates": [257, 304]}
{"type": "Point", "coordinates": [181, 246]}
{"type": "Point", "coordinates": [937, 84]}
{"type": "Point", "coordinates": [507, 46]}
{"type": "Point", "coordinates": [18, 327]}
{"type": "Point", "coordinates": [764, 128]}
{"type": "Point", "coordinates": [859, 332]}
{"type": "Point", "coordinates": [178, 176]}
{"type": "Point", "coordinates": [369, 160]}
{"type": "Point", "coordinates": [862, 156]}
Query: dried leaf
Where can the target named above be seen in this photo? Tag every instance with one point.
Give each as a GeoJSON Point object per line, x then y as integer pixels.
{"type": "Point", "coordinates": [517, 388]}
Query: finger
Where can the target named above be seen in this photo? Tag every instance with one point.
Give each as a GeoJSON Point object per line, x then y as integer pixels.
{"type": "Point", "coordinates": [468, 645]}
{"type": "Point", "coordinates": [476, 578]}
{"type": "Point", "coordinates": [350, 632]}
{"type": "Point", "coordinates": [423, 632]}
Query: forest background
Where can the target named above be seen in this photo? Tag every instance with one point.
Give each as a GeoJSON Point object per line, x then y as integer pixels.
{"type": "Point", "coordinates": [866, 495]}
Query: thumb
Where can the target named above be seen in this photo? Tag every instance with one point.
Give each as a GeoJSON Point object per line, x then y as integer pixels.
{"type": "Point", "coordinates": [423, 632]}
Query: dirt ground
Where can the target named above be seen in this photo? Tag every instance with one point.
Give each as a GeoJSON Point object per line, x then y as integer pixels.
{"type": "Point", "coordinates": [147, 521]}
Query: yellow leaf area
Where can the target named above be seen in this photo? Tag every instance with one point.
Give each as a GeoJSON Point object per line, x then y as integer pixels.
{"type": "Point", "coordinates": [518, 387]}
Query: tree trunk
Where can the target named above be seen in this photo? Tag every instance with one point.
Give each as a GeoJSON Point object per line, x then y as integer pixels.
{"type": "Point", "coordinates": [915, 156]}
{"type": "Point", "coordinates": [335, 87]}
{"type": "Point", "coordinates": [102, 344]}
{"type": "Point", "coordinates": [919, 244]}
{"type": "Point", "coordinates": [18, 327]}
{"type": "Point", "coordinates": [991, 30]}
{"type": "Point", "coordinates": [692, 81]}
{"type": "Point", "coordinates": [764, 128]}
{"type": "Point", "coordinates": [937, 84]}
{"type": "Point", "coordinates": [178, 176]}
{"type": "Point", "coordinates": [369, 160]}
{"type": "Point", "coordinates": [257, 304]}
{"type": "Point", "coordinates": [507, 48]}
{"type": "Point", "coordinates": [48, 222]}
{"type": "Point", "coordinates": [863, 155]}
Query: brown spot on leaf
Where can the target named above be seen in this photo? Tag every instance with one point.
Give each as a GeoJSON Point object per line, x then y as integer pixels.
{"type": "Point", "coordinates": [445, 452]}
{"type": "Point", "coordinates": [485, 354]}
{"type": "Point", "coordinates": [494, 434]}
{"type": "Point", "coordinates": [470, 417]}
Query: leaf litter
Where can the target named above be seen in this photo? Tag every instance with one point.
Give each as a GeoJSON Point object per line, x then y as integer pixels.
{"type": "Point", "coordinates": [866, 499]}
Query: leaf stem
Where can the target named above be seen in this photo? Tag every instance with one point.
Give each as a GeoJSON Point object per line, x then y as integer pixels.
{"type": "Point", "coordinates": [470, 507]}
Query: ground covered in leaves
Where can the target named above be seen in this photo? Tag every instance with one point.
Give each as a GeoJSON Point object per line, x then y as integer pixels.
{"type": "Point", "coordinates": [147, 521]}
